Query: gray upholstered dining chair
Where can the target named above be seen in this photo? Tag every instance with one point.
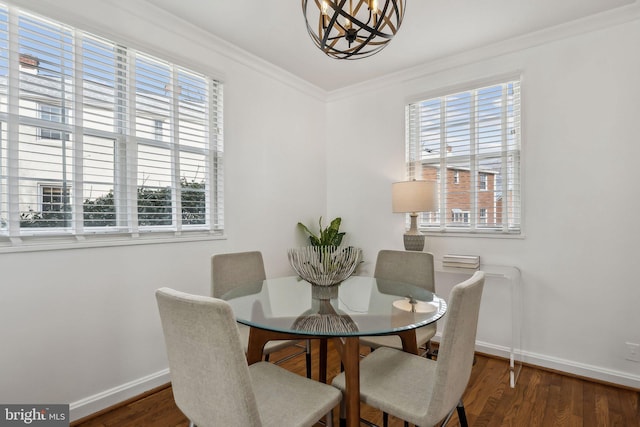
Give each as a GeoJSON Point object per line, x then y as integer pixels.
{"type": "Point", "coordinates": [419, 390]}
{"type": "Point", "coordinates": [414, 268]}
{"type": "Point", "coordinates": [212, 383]}
{"type": "Point", "coordinates": [230, 270]}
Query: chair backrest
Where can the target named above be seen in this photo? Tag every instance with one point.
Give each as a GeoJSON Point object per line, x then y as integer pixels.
{"type": "Point", "coordinates": [456, 350]}
{"type": "Point", "coordinates": [415, 268]}
{"type": "Point", "coordinates": [234, 269]}
{"type": "Point", "coordinates": [209, 372]}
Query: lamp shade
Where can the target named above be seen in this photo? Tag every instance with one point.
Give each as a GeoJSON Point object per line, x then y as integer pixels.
{"type": "Point", "coordinates": [413, 196]}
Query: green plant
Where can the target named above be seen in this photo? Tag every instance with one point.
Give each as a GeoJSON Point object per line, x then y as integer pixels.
{"type": "Point", "coordinates": [153, 203]}
{"type": "Point", "coordinates": [328, 236]}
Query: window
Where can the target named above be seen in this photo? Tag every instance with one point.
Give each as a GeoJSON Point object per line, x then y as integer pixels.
{"type": "Point", "coordinates": [140, 138]}
{"type": "Point", "coordinates": [53, 114]}
{"type": "Point", "coordinates": [483, 215]}
{"type": "Point", "coordinates": [469, 142]}
{"type": "Point", "coordinates": [459, 216]}
{"type": "Point", "coordinates": [482, 177]}
{"type": "Point", "coordinates": [54, 198]}
{"type": "Point", "coordinates": [54, 208]}
{"type": "Point", "coordinates": [158, 126]}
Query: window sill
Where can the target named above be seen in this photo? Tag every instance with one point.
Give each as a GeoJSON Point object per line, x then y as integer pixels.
{"type": "Point", "coordinates": [56, 243]}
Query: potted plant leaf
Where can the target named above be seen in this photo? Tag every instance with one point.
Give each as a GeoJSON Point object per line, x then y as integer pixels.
{"type": "Point", "coordinates": [328, 236]}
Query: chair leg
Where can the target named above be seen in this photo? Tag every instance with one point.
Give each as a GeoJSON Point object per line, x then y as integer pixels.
{"type": "Point", "coordinates": [329, 419]}
{"type": "Point", "coordinates": [385, 419]}
{"type": "Point", "coordinates": [462, 414]}
{"type": "Point", "coordinates": [266, 357]}
{"type": "Point", "coordinates": [308, 358]}
{"type": "Point", "coordinates": [343, 414]}
{"type": "Point", "coordinates": [447, 418]}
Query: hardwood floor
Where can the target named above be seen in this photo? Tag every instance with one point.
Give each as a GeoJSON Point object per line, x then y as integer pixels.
{"type": "Point", "coordinates": [541, 398]}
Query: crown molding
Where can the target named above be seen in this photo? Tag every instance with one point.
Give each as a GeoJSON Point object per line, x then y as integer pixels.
{"type": "Point", "coordinates": [196, 35]}
{"type": "Point", "coordinates": [146, 14]}
{"type": "Point", "coordinates": [607, 19]}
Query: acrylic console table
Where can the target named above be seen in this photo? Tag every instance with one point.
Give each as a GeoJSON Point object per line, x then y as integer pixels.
{"type": "Point", "coordinates": [501, 305]}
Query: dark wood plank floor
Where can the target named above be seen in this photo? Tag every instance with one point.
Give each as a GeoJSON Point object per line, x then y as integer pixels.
{"type": "Point", "coordinates": [541, 398]}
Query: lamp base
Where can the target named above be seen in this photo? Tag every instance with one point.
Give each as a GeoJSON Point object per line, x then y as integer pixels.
{"type": "Point", "coordinates": [414, 242]}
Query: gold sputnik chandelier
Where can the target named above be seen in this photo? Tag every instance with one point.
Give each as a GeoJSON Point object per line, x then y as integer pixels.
{"type": "Point", "coordinates": [352, 29]}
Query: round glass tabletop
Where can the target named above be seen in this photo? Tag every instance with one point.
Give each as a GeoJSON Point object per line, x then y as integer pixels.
{"type": "Point", "coordinates": [358, 306]}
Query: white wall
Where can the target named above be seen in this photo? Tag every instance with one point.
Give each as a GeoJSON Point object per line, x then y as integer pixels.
{"type": "Point", "coordinates": [581, 120]}
{"type": "Point", "coordinates": [81, 326]}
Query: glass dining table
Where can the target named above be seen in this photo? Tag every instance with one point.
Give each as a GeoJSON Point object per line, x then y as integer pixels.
{"type": "Point", "coordinates": [291, 308]}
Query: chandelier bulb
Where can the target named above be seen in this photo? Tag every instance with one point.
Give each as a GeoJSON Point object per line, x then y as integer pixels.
{"type": "Point", "coordinates": [325, 8]}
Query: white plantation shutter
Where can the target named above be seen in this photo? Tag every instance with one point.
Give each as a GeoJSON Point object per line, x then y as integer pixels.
{"type": "Point", "coordinates": [99, 138]}
{"type": "Point", "coordinates": [469, 142]}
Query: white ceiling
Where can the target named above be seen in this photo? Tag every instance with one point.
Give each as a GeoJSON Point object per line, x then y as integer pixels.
{"type": "Point", "coordinates": [275, 31]}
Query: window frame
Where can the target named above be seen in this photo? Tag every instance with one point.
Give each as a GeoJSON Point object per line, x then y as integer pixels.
{"type": "Point", "coordinates": [125, 159]}
{"type": "Point", "coordinates": [515, 202]}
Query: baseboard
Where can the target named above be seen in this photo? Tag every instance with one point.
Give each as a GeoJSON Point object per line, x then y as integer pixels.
{"type": "Point", "coordinates": [98, 402]}
{"type": "Point", "coordinates": [583, 370]}
{"type": "Point", "coordinates": [588, 372]}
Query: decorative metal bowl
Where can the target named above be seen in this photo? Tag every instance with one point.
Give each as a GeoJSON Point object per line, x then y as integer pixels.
{"type": "Point", "coordinates": [325, 265]}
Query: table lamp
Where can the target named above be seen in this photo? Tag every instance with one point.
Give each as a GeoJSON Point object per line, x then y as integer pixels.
{"type": "Point", "coordinates": [413, 197]}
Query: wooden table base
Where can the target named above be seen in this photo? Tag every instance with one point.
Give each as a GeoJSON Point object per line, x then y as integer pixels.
{"type": "Point", "coordinates": [349, 350]}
